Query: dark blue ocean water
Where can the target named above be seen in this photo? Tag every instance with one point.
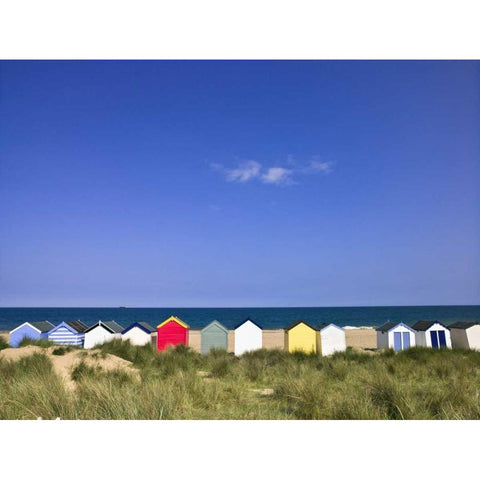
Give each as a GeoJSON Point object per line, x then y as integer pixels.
{"type": "Point", "coordinates": [230, 317]}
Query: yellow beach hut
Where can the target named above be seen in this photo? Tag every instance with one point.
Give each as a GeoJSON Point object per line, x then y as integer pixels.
{"type": "Point", "coordinates": [300, 336]}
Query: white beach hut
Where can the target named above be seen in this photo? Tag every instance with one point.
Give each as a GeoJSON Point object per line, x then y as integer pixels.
{"type": "Point", "coordinates": [395, 335]}
{"type": "Point", "coordinates": [248, 337]}
{"type": "Point", "coordinates": [101, 332]}
{"type": "Point", "coordinates": [432, 334]}
{"type": "Point", "coordinates": [465, 335]}
{"type": "Point", "coordinates": [331, 339]}
{"type": "Point", "coordinates": [139, 333]}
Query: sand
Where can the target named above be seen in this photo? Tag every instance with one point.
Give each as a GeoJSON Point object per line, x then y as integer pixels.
{"type": "Point", "coordinates": [361, 338]}
{"type": "Point", "coordinates": [63, 365]}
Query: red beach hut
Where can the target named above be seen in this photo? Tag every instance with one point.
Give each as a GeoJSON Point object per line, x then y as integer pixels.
{"type": "Point", "coordinates": [172, 332]}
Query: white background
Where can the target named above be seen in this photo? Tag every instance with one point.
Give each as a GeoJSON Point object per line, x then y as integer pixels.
{"type": "Point", "coordinates": [238, 30]}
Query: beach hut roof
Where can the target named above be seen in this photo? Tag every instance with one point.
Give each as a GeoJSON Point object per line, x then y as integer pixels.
{"type": "Point", "coordinates": [297, 322]}
{"type": "Point", "coordinates": [245, 321]}
{"type": "Point", "coordinates": [463, 325]}
{"type": "Point", "coordinates": [74, 327]}
{"type": "Point", "coordinates": [423, 325]}
{"type": "Point", "coordinates": [174, 319]}
{"type": "Point", "coordinates": [218, 324]}
{"type": "Point", "coordinates": [44, 327]}
{"type": "Point", "coordinates": [111, 326]}
{"type": "Point", "coordinates": [141, 325]}
{"type": "Point", "coordinates": [325, 325]}
{"type": "Point", "coordinates": [41, 327]}
{"type": "Point", "coordinates": [77, 325]}
{"type": "Point", "coordinates": [389, 325]}
{"type": "Point", "coordinates": [114, 326]}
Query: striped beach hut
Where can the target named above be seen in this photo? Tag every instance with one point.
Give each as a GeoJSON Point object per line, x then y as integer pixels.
{"type": "Point", "coordinates": [68, 333]}
{"type": "Point", "coordinates": [139, 333]}
{"type": "Point", "coordinates": [432, 334]}
{"type": "Point", "coordinates": [331, 339]}
{"type": "Point", "coordinates": [101, 332]}
{"type": "Point", "coordinates": [214, 335]}
{"type": "Point", "coordinates": [300, 336]}
{"type": "Point", "coordinates": [395, 335]}
{"type": "Point", "coordinates": [465, 335]}
{"type": "Point", "coordinates": [172, 332]}
{"type": "Point", "coordinates": [247, 337]}
{"type": "Point", "coordinates": [31, 330]}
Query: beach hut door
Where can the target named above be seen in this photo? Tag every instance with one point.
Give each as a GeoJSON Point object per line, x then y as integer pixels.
{"type": "Point", "coordinates": [441, 338]}
{"type": "Point", "coordinates": [434, 338]}
{"type": "Point", "coordinates": [397, 341]}
{"type": "Point", "coordinates": [406, 340]}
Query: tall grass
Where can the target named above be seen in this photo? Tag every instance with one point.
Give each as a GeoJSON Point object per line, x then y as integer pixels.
{"type": "Point", "coordinates": [418, 383]}
{"type": "Point", "coordinates": [41, 342]}
{"type": "Point", "coordinates": [3, 344]}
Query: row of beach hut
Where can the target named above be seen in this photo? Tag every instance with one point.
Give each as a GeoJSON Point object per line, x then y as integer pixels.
{"type": "Point", "coordinates": [247, 336]}
{"type": "Point", "coordinates": [324, 339]}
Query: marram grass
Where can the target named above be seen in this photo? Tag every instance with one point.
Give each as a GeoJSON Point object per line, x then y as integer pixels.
{"type": "Point", "coordinates": [418, 383]}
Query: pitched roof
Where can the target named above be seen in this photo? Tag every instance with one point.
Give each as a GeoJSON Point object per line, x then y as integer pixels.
{"type": "Point", "coordinates": [214, 323]}
{"type": "Point", "coordinates": [389, 325]}
{"type": "Point", "coordinates": [297, 322]}
{"type": "Point", "coordinates": [245, 321]}
{"type": "Point", "coordinates": [142, 325]}
{"type": "Point", "coordinates": [174, 319]}
{"type": "Point", "coordinates": [386, 327]}
{"type": "Point", "coordinates": [43, 326]}
{"type": "Point", "coordinates": [324, 325]}
{"type": "Point", "coordinates": [423, 325]}
{"type": "Point", "coordinates": [111, 326]}
{"type": "Point", "coordinates": [463, 325]}
{"type": "Point", "coordinates": [114, 326]}
{"type": "Point", "coordinates": [77, 325]}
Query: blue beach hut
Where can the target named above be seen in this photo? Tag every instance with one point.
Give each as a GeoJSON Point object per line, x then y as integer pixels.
{"type": "Point", "coordinates": [32, 330]}
{"type": "Point", "coordinates": [395, 335]}
{"type": "Point", "coordinates": [68, 333]}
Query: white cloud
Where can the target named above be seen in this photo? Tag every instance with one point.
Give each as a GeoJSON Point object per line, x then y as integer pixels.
{"type": "Point", "coordinates": [245, 172]}
{"type": "Point", "coordinates": [277, 176]}
{"type": "Point", "coordinates": [324, 167]}
{"type": "Point", "coordinates": [251, 170]}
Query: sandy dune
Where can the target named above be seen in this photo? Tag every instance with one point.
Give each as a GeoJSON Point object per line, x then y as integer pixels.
{"type": "Point", "coordinates": [63, 365]}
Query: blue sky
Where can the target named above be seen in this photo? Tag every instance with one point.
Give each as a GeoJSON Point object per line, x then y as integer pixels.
{"type": "Point", "coordinates": [239, 183]}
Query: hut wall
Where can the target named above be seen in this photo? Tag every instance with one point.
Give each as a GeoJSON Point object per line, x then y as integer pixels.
{"type": "Point", "coordinates": [137, 336]}
{"type": "Point", "coordinates": [459, 338]}
{"type": "Point", "coordinates": [332, 339]}
{"type": "Point", "coordinates": [63, 336]}
{"type": "Point", "coordinates": [231, 341]}
{"type": "Point", "coordinates": [97, 336]}
{"type": "Point", "coordinates": [421, 339]}
{"type": "Point", "coordinates": [401, 329]}
{"type": "Point", "coordinates": [171, 334]}
{"type": "Point", "coordinates": [301, 338]}
{"type": "Point", "coordinates": [382, 340]}
{"type": "Point", "coordinates": [425, 340]}
{"type": "Point", "coordinates": [273, 339]}
{"type": "Point", "coordinates": [195, 340]}
{"type": "Point", "coordinates": [214, 336]}
{"type": "Point", "coordinates": [473, 335]}
{"type": "Point", "coordinates": [26, 331]}
{"type": "Point", "coordinates": [248, 337]}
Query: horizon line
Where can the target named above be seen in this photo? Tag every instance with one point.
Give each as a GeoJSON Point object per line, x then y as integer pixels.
{"type": "Point", "coordinates": [233, 307]}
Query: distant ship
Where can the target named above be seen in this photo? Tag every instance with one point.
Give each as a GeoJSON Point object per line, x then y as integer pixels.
{"type": "Point", "coordinates": [122, 307]}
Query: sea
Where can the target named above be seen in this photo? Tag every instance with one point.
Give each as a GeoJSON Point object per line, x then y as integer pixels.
{"type": "Point", "coordinates": [267, 318]}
